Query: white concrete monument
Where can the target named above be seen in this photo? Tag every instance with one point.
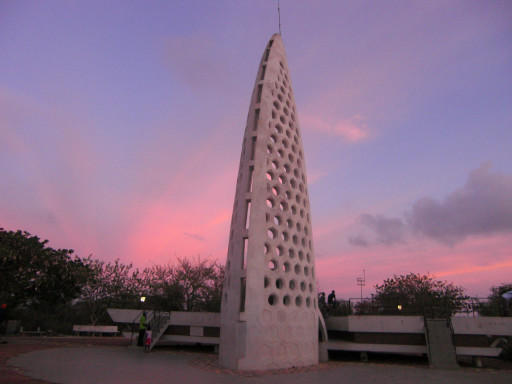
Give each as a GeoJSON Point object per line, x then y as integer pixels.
{"type": "Point", "coordinates": [269, 316]}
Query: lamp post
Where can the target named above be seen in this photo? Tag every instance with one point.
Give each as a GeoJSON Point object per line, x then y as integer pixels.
{"type": "Point", "coordinates": [142, 300]}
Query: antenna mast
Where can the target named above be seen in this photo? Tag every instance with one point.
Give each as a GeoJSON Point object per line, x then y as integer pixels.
{"type": "Point", "coordinates": [279, 15]}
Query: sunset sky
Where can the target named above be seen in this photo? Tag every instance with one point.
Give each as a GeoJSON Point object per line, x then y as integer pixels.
{"type": "Point", "coordinates": [121, 124]}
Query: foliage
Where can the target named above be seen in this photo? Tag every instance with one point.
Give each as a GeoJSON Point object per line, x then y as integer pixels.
{"type": "Point", "coordinates": [35, 275]}
{"type": "Point", "coordinates": [416, 294]}
{"type": "Point", "coordinates": [109, 285]}
{"type": "Point", "coordinates": [495, 304]}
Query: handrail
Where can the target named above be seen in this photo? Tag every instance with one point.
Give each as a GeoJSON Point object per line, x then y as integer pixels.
{"type": "Point", "coordinates": [427, 339]}
{"type": "Point", "coordinates": [148, 319]}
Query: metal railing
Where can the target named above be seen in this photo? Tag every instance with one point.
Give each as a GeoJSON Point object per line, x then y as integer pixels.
{"type": "Point", "coordinates": [473, 306]}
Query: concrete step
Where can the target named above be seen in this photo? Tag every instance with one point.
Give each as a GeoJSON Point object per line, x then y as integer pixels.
{"type": "Point", "coordinates": [438, 334]}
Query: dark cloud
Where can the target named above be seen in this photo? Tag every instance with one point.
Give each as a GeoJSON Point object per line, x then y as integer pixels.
{"type": "Point", "coordinates": [194, 236]}
{"type": "Point", "coordinates": [359, 240]}
{"type": "Point", "coordinates": [482, 207]}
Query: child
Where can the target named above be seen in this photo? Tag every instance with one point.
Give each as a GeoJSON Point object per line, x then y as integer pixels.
{"type": "Point", "coordinates": [147, 343]}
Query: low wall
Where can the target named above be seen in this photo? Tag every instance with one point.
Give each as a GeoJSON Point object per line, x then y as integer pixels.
{"type": "Point", "coordinates": [474, 336]}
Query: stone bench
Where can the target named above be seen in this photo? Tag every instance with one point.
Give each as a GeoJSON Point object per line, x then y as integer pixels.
{"type": "Point", "coordinates": [95, 329]}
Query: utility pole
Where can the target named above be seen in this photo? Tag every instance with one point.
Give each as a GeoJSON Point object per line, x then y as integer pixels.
{"type": "Point", "coordinates": [361, 283]}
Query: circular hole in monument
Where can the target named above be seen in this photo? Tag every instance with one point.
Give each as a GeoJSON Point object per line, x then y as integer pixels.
{"type": "Point", "coordinates": [275, 164]}
{"type": "Point", "coordinates": [280, 97]}
{"type": "Point", "coordinates": [294, 209]}
{"type": "Point", "coordinates": [272, 265]}
{"type": "Point", "coordinates": [311, 285]}
{"type": "Point", "coordinates": [296, 173]}
{"type": "Point", "coordinates": [288, 195]}
{"type": "Point", "coordinates": [280, 153]}
{"type": "Point", "coordinates": [291, 284]}
{"type": "Point", "coordinates": [293, 117]}
{"type": "Point", "coordinates": [299, 227]}
{"type": "Point", "coordinates": [288, 103]}
{"type": "Point", "coordinates": [306, 230]}
{"type": "Point", "coordinates": [272, 233]}
{"type": "Point", "coordinates": [269, 149]}
{"type": "Point", "coordinates": [286, 112]}
{"type": "Point", "coordinates": [288, 133]}
{"type": "Point", "coordinates": [270, 175]}
{"type": "Point", "coordinates": [278, 128]}
{"type": "Point", "coordinates": [294, 148]}
{"type": "Point", "coordinates": [289, 223]}
{"type": "Point", "coordinates": [303, 241]}
{"type": "Point", "coordinates": [291, 253]}
{"type": "Point", "coordinates": [272, 300]}
{"type": "Point", "coordinates": [285, 143]}
{"type": "Point", "coordinates": [277, 105]}
{"type": "Point", "coordinates": [286, 300]}
{"type": "Point", "coordinates": [298, 301]}
{"type": "Point", "coordinates": [282, 90]}
{"type": "Point", "coordinates": [301, 188]}
{"type": "Point", "coordinates": [297, 269]}
{"type": "Point", "coordinates": [295, 239]}
{"type": "Point", "coordinates": [267, 248]}
{"type": "Point", "coordinates": [290, 157]}
{"type": "Point", "coordinates": [302, 213]}
{"type": "Point", "coordinates": [308, 302]}
{"type": "Point", "coordinates": [308, 258]}
{"type": "Point", "coordinates": [297, 199]}
{"type": "Point", "coordinates": [279, 250]}
{"type": "Point", "coordinates": [296, 139]}
{"type": "Point", "coordinates": [287, 168]}
{"type": "Point", "coordinates": [275, 190]}
{"type": "Point", "coordinates": [270, 203]}
{"type": "Point", "coordinates": [284, 236]}
{"type": "Point", "coordinates": [277, 220]}
{"type": "Point", "coordinates": [286, 267]}
{"type": "Point", "coordinates": [283, 206]}
{"type": "Point", "coordinates": [279, 284]}
{"type": "Point", "coordinates": [301, 255]}
{"type": "Point", "coordinates": [273, 138]}
{"type": "Point", "coordinates": [266, 282]}
{"type": "Point", "coordinates": [274, 114]}
{"type": "Point", "coordinates": [282, 179]}
{"type": "Point", "coordinates": [282, 119]}
{"type": "Point", "coordinates": [302, 286]}
{"type": "Point", "coordinates": [306, 271]}
{"type": "Point", "coordinates": [293, 183]}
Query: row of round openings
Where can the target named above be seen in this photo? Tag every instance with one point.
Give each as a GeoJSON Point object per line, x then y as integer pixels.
{"type": "Point", "coordinates": [291, 254]}
{"type": "Point", "coordinates": [276, 191]}
{"type": "Point", "coordinates": [283, 206]}
{"type": "Point", "coordinates": [292, 284]}
{"type": "Point", "coordinates": [273, 265]}
{"type": "Point", "coordinates": [274, 300]}
{"type": "Point", "coordinates": [289, 224]}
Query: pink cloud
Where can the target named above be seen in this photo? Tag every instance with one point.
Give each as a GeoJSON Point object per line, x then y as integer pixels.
{"type": "Point", "coordinates": [351, 130]}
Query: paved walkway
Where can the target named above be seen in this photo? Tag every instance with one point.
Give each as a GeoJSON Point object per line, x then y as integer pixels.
{"type": "Point", "coordinates": [99, 364]}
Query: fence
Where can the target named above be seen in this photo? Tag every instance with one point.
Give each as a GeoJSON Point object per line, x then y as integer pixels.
{"type": "Point", "coordinates": [473, 306]}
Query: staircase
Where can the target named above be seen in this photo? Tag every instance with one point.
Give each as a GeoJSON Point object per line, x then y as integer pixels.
{"type": "Point", "coordinates": [441, 349]}
{"type": "Point", "coordinates": [159, 325]}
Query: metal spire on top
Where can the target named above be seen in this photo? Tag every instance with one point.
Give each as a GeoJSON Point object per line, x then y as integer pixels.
{"type": "Point", "coordinates": [279, 15]}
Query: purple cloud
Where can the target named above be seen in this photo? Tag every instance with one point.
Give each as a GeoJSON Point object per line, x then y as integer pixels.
{"type": "Point", "coordinates": [483, 206]}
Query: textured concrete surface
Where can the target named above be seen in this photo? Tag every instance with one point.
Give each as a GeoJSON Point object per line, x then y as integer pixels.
{"type": "Point", "coordinates": [96, 364]}
{"type": "Point", "coordinates": [269, 316]}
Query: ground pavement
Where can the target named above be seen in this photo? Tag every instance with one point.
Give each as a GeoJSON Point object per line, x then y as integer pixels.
{"type": "Point", "coordinates": [110, 360]}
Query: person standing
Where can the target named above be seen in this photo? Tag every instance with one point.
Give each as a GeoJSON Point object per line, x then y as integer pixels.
{"type": "Point", "coordinates": [142, 329]}
{"type": "Point", "coordinates": [331, 299]}
{"type": "Point", "coordinates": [149, 339]}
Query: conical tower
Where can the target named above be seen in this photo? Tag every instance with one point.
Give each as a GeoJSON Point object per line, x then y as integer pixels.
{"type": "Point", "coordinates": [269, 316]}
